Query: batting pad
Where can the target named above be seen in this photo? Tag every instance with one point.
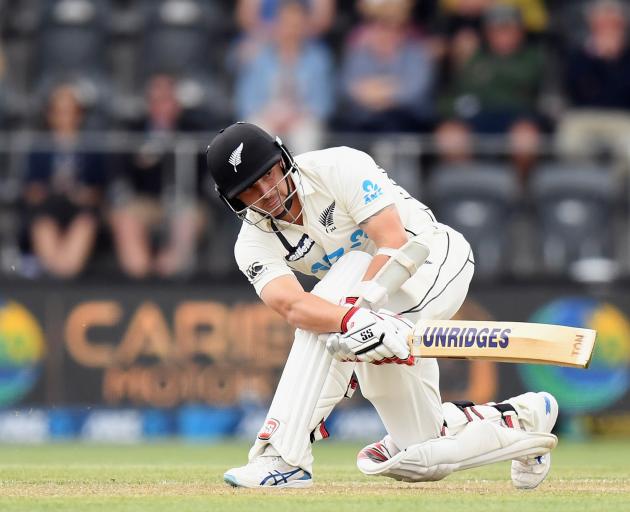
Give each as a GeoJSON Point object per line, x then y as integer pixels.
{"type": "Point", "coordinates": [312, 382]}
{"type": "Point", "coordinates": [478, 444]}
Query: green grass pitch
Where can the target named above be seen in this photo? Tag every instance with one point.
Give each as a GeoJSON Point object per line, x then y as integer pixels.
{"type": "Point", "coordinates": [188, 477]}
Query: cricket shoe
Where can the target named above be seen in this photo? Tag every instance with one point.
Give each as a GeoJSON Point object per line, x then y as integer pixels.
{"type": "Point", "coordinates": [380, 451]}
{"type": "Point", "coordinates": [268, 471]}
{"type": "Point", "coordinates": [537, 412]}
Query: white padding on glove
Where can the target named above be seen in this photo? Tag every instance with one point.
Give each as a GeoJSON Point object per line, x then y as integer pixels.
{"type": "Point", "coordinates": [371, 338]}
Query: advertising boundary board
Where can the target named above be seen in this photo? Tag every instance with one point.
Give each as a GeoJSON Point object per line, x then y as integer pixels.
{"type": "Point", "coordinates": [165, 347]}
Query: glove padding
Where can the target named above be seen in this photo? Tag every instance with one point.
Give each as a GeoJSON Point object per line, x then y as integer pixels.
{"type": "Point", "coordinates": [371, 337]}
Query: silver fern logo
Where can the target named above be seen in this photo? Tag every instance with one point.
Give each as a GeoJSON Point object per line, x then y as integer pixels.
{"type": "Point", "coordinates": [326, 218]}
{"type": "Point", "coordinates": [235, 157]}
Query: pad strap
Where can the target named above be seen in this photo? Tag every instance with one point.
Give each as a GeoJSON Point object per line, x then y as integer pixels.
{"type": "Point", "coordinates": [408, 263]}
{"type": "Point", "coordinates": [319, 432]}
{"type": "Point", "coordinates": [504, 408]}
{"type": "Point", "coordinates": [466, 406]}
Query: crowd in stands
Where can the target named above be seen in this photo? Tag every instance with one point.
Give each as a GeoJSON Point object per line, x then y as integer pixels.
{"type": "Point", "coordinates": [452, 71]}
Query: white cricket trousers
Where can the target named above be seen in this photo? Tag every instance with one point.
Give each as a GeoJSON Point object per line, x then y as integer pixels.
{"type": "Point", "coordinates": [407, 398]}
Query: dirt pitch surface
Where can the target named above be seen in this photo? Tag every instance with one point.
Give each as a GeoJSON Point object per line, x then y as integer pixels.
{"type": "Point", "coordinates": [188, 477]}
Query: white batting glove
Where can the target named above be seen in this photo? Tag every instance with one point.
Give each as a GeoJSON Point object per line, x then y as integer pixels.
{"type": "Point", "coordinates": [338, 350]}
{"type": "Point", "coordinates": [371, 338]}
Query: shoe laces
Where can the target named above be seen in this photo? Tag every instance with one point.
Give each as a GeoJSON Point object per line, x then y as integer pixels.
{"type": "Point", "coordinates": [269, 462]}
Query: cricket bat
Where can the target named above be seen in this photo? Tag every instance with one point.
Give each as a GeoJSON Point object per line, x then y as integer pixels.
{"type": "Point", "coordinates": [512, 342]}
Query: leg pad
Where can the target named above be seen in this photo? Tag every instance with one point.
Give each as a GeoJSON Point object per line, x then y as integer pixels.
{"type": "Point", "coordinates": [478, 444]}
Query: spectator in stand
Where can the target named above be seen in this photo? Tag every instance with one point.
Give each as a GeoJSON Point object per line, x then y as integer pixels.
{"type": "Point", "coordinates": [597, 85]}
{"type": "Point", "coordinates": [457, 31]}
{"type": "Point", "coordinates": [144, 209]}
{"type": "Point", "coordinates": [259, 17]}
{"type": "Point", "coordinates": [387, 72]}
{"type": "Point", "coordinates": [469, 12]}
{"type": "Point", "coordinates": [63, 190]}
{"type": "Point", "coordinates": [458, 27]}
{"type": "Point", "coordinates": [287, 88]}
{"type": "Point", "coordinates": [534, 13]}
{"type": "Point", "coordinates": [496, 90]}
{"type": "Point", "coordinates": [453, 142]}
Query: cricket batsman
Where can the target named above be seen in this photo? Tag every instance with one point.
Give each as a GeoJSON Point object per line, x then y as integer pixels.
{"type": "Point", "coordinates": [334, 214]}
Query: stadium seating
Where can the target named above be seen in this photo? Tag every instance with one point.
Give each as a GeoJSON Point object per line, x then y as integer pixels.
{"type": "Point", "coordinates": [71, 47]}
{"type": "Point", "coordinates": [575, 206]}
{"type": "Point", "coordinates": [127, 18]}
{"type": "Point", "coordinates": [176, 40]}
{"type": "Point", "coordinates": [478, 200]}
{"type": "Point", "coordinates": [179, 40]}
{"type": "Point", "coordinates": [109, 48]}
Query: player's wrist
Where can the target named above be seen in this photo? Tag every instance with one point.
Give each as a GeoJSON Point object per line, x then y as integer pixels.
{"type": "Point", "coordinates": [346, 318]}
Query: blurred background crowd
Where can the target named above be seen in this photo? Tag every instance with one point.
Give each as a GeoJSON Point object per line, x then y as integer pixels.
{"type": "Point", "coordinates": [510, 118]}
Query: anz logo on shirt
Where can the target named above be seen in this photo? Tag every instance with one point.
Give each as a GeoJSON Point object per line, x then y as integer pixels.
{"type": "Point", "coordinates": [372, 191]}
{"type": "Point", "coordinates": [357, 239]}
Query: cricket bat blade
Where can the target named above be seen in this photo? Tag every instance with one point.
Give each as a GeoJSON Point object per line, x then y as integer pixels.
{"type": "Point", "coordinates": [514, 342]}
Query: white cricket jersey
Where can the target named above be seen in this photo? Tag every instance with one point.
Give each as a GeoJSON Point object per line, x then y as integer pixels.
{"type": "Point", "coordinates": [339, 188]}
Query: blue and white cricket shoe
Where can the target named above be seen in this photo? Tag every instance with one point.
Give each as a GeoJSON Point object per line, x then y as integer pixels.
{"type": "Point", "coordinates": [268, 471]}
{"type": "Point", "coordinates": [543, 412]}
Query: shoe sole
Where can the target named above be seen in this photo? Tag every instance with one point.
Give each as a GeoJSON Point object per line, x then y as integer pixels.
{"type": "Point", "coordinates": [230, 480]}
{"type": "Point", "coordinates": [294, 484]}
{"type": "Point", "coordinates": [542, 477]}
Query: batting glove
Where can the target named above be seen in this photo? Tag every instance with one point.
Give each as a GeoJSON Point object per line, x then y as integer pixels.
{"type": "Point", "coordinates": [371, 337]}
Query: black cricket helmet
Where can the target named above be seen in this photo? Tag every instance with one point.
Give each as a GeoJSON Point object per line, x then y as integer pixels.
{"type": "Point", "coordinates": [240, 155]}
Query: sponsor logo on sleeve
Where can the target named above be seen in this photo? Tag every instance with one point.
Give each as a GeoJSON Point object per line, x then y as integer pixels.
{"type": "Point", "coordinates": [268, 429]}
{"type": "Point", "coordinates": [372, 191]}
{"type": "Point", "coordinates": [467, 337]}
{"type": "Point", "coordinates": [326, 218]}
{"type": "Point", "coordinates": [254, 271]}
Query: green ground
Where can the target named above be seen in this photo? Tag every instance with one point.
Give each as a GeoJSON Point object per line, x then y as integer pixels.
{"type": "Point", "coordinates": [187, 477]}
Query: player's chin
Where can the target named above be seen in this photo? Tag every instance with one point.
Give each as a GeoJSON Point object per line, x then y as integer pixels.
{"type": "Point", "coordinates": [279, 213]}
{"type": "Point", "coordinates": [273, 208]}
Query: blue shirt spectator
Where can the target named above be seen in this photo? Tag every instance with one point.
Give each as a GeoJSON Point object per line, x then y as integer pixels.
{"type": "Point", "coordinates": [266, 78]}
{"type": "Point", "coordinates": [287, 85]}
{"type": "Point", "coordinates": [258, 17]}
{"type": "Point", "coordinates": [387, 73]}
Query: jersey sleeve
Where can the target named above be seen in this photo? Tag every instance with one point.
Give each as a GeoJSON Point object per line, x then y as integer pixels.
{"type": "Point", "coordinates": [363, 186]}
{"type": "Point", "coordinates": [259, 260]}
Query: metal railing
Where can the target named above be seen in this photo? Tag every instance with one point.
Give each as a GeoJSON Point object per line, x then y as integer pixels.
{"type": "Point", "coordinates": [403, 155]}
